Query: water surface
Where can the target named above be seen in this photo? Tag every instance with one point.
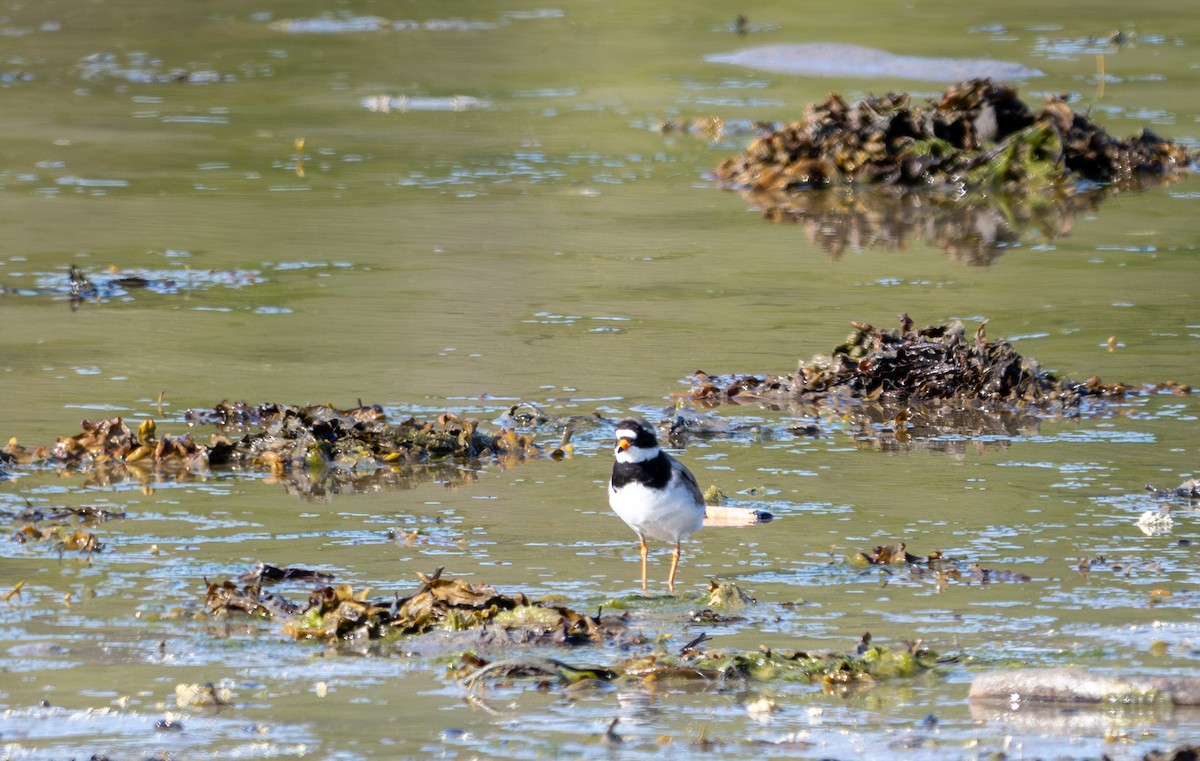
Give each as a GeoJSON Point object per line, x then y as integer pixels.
{"type": "Point", "coordinates": [521, 231]}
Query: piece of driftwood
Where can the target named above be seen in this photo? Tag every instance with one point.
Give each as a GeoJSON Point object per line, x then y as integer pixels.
{"type": "Point", "coordinates": [728, 517]}
{"type": "Point", "coordinates": [1076, 685]}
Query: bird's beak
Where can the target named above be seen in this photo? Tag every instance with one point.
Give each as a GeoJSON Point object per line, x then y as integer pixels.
{"type": "Point", "coordinates": [623, 444]}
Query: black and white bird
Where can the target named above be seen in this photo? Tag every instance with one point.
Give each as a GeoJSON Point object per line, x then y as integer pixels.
{"type": "Point", "coordinates": [653, 492]}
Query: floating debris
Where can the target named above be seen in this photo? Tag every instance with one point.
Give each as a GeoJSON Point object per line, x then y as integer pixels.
{"type": "Point", "coordinates": [1154, 522]}
{"type": "Point", "coordinates": [831, 59]}
{"type": "Point", "coordinates": [264, 573]}
{"type": "Point", "coordinates": [1189, 490]}
{"type": "Point", "coordinates": [384, 104]}
{"type": "Point", "coordinates": [886, 555]}
{"type": "Point", "coordinates": [719, 516]}
{"type": "Point", "coordinates": [935, 567]}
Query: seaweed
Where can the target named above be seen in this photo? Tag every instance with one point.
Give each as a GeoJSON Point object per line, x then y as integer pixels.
{"type": "Point", "coordinates": [341, 613]}
{"type": "Point", "coordinates": [924, 368]}
{"type": "Point", "coordinates": [935, 566]}
{"type": "Point", "coordinates": [979, 135]}
{"type": "Point", "coordinates": [971, 172]}
{"type": "Point", "coordinates": [866, 665]}
{"type": "Point", "coordinates": [314, 450]}
{"type": "Point", "coordinates": [61, 527]}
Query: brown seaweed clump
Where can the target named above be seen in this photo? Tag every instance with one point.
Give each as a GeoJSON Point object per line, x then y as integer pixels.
{"type": "Point", "coordinates": [341, 614]}
{"type": "Point", "coordinates": [935, 364]}
{"type": "Point", "coordinates": [308, 444]}
{"type": "Point", "coordinates": [836, 672]}
{"type": "Point", "coordinates": [941, 569]}
{"type": "Point", "coordinates": [980, 135]}
{"type": "Point", "coordinates": [60, 527]}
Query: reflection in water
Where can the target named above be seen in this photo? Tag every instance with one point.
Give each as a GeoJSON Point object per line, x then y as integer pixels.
{"type": "Point", "coordinates": [318, 485]}
{"type": "Point", "coordinates": [1077, 720]}
{"type": "Point", "coordinates": [952, 430]}
{"type": "Point", "coordinates": [974, 230]}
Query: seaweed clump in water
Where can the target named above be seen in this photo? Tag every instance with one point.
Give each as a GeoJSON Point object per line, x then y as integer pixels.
{"type": "Point", "coordinates": [835, 671]}
{"type": "Point", "coordinates": [906, 366]}
{"type": "Point", "coordinates": [342, 614]}
{"type": "Point", "coordinates": [278, 438]}
{"type": "Point", "coordinates": [979, 135]}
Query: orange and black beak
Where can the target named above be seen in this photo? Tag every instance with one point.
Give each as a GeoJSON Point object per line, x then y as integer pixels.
{"type": "Point", "coordinates": [623, 444]}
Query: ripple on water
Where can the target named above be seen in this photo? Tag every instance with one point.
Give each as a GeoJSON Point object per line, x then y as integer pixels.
{"type": "Point", "coordinates": [77, 732]}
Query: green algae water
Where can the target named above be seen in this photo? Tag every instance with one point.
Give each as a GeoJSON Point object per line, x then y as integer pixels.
{"type": "Point", "coordinates": [464, 207]}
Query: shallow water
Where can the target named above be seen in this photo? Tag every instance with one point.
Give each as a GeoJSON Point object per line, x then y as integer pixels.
{"type": "Point", "coordinates": [512, 227]}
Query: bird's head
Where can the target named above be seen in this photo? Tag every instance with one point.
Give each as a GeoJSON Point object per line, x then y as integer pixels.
{"type": "Point", "coordinates": [636, 441]}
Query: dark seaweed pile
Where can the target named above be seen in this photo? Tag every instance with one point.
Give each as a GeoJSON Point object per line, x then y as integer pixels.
{"type": "Point", "coordinates": [979, 135]}
{"type": "Point", "coordinates": [932, 364]}
{"type": "Point", "coordinates": [341, 613]}
{"type": "Point", "coordinates": [316, 447]}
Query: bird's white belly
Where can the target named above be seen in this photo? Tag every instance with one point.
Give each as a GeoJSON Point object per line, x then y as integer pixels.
{"type": "Point", "coordinates": [668, 515]}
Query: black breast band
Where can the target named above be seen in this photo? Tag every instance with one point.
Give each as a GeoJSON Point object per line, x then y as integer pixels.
{"type": "Point", "coordinates": [654, 473]}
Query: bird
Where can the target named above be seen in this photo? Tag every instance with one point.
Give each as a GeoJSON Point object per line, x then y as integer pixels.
{"type": "Point", "coordinates": [655, 494]}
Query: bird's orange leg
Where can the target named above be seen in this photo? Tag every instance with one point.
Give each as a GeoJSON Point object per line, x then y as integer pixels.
{"type": "Point", "coordinates": [674, 565]}
{"type": "Point", "coordinates": [643, 550]}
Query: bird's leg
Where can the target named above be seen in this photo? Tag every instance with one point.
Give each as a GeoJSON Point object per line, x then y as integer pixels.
{"type": "Point", "coordinates": [643, 550]}
{"type": "Point", "coordinates": [674, 565]}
